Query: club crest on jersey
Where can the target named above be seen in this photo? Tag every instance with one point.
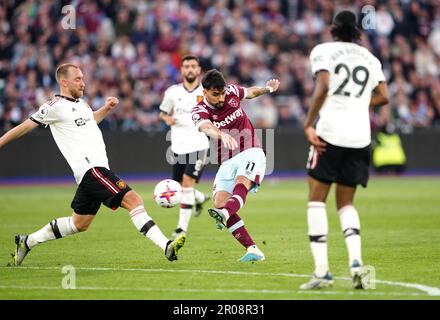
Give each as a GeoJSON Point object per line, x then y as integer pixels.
{"type": "Point", "coordinates": [199, 99]}
{"type": "Point", "coordinates": [233, 102]}
{"type": "Point", "coordinates": [121, 184]}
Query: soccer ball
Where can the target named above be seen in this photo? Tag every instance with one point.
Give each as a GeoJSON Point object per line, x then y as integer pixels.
{"type": "Point", "coordinates": [168, 193]}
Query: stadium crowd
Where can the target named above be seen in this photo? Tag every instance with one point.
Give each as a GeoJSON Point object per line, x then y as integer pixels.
{"type": "Point", "coordinates": [132, 49]}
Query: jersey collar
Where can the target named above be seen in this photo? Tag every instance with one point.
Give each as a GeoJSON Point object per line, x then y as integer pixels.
{"type": "Point", "coordinates": [67, 98]}
{"type": "Point", "coordinates": [208, 104]}
{"type": "Point", "coordinates": [189, 91]}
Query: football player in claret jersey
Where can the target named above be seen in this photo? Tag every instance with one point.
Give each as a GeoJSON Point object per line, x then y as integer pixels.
{"type": "Point", "coordinates": [74, 127]}
{"type": "Point", "coordinates": [349, 80]}
{"type": "Point", "coordinates": [189, 146]}
{"type": "Point", "coordinates": [242, 159]}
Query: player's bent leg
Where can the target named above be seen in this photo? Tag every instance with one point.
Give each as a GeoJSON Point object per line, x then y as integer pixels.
{"type": "Point", "coordinates": [201, 199]}
{"type": "Point", "coordinates": [235, 226]}
{"type": "Point", "coordinates": [238, 197]}
{"type": "Point", "coordinates": [218, 214]}
{"type": "Point", "coordinates": [131, 200]}
{"type": "Point", "coordinates": [239, 194]}
{"type": "Point", "coordinates": [188, 182]}
{"type": "Point", "coordinates": [146, 226]}
{"type": "Point", "coordinates": [56, 229]}
{"type": "Point", "coordinates": [82, 221]}
{"type": "Point", "coordinates": [220, 199]}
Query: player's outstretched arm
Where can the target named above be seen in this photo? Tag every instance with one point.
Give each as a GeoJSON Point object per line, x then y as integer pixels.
{"type": "Point", "coordinates": [380, 95]}
{"type": "Point", "coordinates": [271, 86]}
{"type": "Point", "coordinates": [318, 98]}
{"type": "Point", "coordinates": [208, 128]}
{"type": "Point", "coordinates": [102, 112]}
{"type": "Point", "coordinates": [17, 132]}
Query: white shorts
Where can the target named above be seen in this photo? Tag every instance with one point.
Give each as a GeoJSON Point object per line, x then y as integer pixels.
{"type": "Point", "coordinates": [250, 163]}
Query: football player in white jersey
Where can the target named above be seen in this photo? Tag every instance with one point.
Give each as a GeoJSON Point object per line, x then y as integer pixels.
{"type": "Point", "coordinates": [349, 80]}
{"type": "Point", "coordinates": [188, 145]}
{"type": "Point", "coordinates": [74, 127]}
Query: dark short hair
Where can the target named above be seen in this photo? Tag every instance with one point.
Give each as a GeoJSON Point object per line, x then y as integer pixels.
{"type": "Point", "coordinates": [213, 79]}
{"type": "Point", "coordinates": [190, 57]}
{"type": "Point", "coordinates": [63, 69]}
{"type": "Point", "coordinates": [344, 27]}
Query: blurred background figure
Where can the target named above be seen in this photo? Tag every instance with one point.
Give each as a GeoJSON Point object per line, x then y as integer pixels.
{"type": "Point", "coordinates": [133, 48]}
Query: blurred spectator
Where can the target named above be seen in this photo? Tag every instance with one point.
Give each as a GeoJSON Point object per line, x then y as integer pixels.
{"type": "Point", "coordinates": [421, 111]}
{"type": "Point", "coordinates": [124, 49]}
{"type": "Point", "coordinates": [425, 61]}
{"type": "Point", "coordinates": [148, 116]}
{"type": "Point", "coordinates": [131, 49]}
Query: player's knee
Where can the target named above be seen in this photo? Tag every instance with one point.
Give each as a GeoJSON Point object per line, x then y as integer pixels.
{"type": "Point", "coordinates": [243, 180]}
{"type": "Point", "coordinates": [82, 224]}
{"type": "Point", "coordinates": [187, 181]}
{"type": "Point", "coordinates": [132, 200]}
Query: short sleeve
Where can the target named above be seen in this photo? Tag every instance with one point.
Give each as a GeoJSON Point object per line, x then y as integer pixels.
{"type": "Point", "coordinates": [199, 115]}
{"type": "Point", "coordinates": [318, 59]}
{"type": "Point", "coordinates": [237, 90]}
{"type": "Point", "coordinates": [45, 115]}
{"type": "Point", "coordinates": [167, 103]}
{"type": "Point", "coordinates": [377, 73]}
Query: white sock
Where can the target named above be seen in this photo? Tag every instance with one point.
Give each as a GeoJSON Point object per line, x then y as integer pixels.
{"type": "Point", "coordinates": [225, 213]}
{"type": "Point", "coordinates": [56, 229]}
{"type": "Point", "coordinates": [186, 206]}
{"type": "Point", "coordinates": [199, 196]}
{"type": "Point", "coordinates": [318, 230]}
{"type": "Point", "coordinates": [351, 226]}
{"type": "Point", "coordinates": [145, 224]}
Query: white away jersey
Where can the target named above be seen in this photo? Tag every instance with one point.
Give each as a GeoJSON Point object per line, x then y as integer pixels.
{"type": "Point", "coordinates": [75, 132]}
{"type": "Point", "coordinates": [354, 72]}
{"type": "Point", "coordinates": [179, 102]}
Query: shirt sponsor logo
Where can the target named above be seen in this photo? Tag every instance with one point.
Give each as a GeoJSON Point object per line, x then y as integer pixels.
{"type": "Point", "coordinates": [229, 119]}
{"type": "Point", "coordinates": [81, 122]}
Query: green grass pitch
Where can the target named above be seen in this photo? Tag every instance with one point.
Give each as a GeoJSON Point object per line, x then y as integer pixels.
{"type": "Point", "coordinates": [400, 227]}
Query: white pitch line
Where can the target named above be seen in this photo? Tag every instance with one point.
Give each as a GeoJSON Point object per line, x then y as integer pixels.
{"type": "Point", "coordinates": [431, 291]}
{"type": "Point", "coordinates": [194, 290]}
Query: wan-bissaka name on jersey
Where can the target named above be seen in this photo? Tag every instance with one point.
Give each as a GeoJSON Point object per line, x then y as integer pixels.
{"type": "Point", "coordinates": [354, 73]}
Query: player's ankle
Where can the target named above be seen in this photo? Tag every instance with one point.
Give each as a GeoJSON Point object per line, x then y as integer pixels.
{"type": "Point", "coordinates": [225, 213]}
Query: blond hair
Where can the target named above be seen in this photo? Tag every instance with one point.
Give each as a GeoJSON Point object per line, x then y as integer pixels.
{"type": "Point", "coordinates": [63, 69]}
